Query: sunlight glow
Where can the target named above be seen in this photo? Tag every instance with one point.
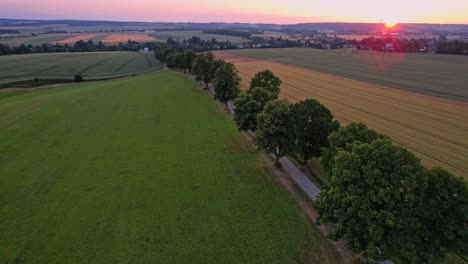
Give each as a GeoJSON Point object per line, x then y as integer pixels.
{"type": "Point", "coordinates": [390, 24]}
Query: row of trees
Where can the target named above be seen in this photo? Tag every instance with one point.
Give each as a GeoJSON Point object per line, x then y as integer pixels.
{"type": "Point", "coordinates": [281, 128]}
{"type": "Point", "coordinates": [233, 32]}
{"type": "Point", "coordinates": [452, 47]}
{"type": "Point", "coordinates": [381, 200]}
{"type": "Point", "coordinates": [442, 45]}
{"type": "Point", "coordinates": [197, 44]}
{"type": "Point", "coordinates": [206, 69]}
{"type": "Point", "coordinates": [397, 45]}
{"type": "Point", "coordinates": [383, 203]}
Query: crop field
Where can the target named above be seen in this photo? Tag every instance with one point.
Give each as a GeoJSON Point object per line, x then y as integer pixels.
{"type": "Point", "coordinates": [432, 74]}
{"type": "Point", "coordinates": [140, 170]}
{"type": "Point", "coordinates": [96, 65]}
{"type": "Point", "coordinates": [74, 37]}
{"type": "Point", "coordinates": [354, 36]}
{"type": "Point", "coordinates": [116, 38]}
{"type": "Point", "coordinates": [36, 40]}
{"type": "Point", "coordinates": [164, 35]}
{"type": "Point", "coordinates": [434, 129]}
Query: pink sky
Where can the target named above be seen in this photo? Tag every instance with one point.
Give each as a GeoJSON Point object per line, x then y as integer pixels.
{"type": "Point", "coordinates": [252, 11]}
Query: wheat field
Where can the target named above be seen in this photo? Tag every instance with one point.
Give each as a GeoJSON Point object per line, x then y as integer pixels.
{"type": "Point", "coordinates": [435, 129]}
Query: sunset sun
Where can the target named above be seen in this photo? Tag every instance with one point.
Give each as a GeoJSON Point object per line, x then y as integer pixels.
{"type": "Point", "coordinates": [390, 24]}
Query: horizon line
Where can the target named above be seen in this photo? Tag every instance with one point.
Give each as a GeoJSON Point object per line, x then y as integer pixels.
{"type": "Point", "coordinates": [220, 22]}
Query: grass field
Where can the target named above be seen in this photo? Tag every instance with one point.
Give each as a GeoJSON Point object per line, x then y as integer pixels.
{"type": "Point", "coordinates": [432, 74]}
{"type": "Point", "coordinates": [434, 129]}
{"type": "Point", "coordinates": [96, 65]}
{"type": "Point", "coordinates": [164, 35]}
{"type": "Point", "coordinates": [36, 40]}
{"type": "Point", "coordinates": [141, 170]}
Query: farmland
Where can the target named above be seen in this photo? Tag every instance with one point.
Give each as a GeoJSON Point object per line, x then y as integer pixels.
{"type": "Point", "coordinates": [118, 38]}
{"type": "Point", "coordinates": [433, 128]}
{"type": "Point", "coordinates": [164, 35]}
{"type": "Point", "coordinates": [140, 170]}
{"type": "Point", "coordinates": [96, 65]}
{"type": "Point", "coordinates": [76, 38]}
{"type": "Point", "coordinates": [71, 38]}
{"type": "Point", "coordinates": [36, 40]}
{"type": "Point", "coordinates": [431, 74]}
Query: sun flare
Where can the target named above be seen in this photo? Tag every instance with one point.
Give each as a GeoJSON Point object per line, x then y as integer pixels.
{"type": "Point", "coordinates": [390, 24]}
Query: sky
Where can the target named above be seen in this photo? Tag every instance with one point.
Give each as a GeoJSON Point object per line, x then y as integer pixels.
{"type": "Point", "coordinates": [250, 11]}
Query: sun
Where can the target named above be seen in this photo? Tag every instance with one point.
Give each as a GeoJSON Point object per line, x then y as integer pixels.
{"type": "Point", "coordinates": [390, 24]}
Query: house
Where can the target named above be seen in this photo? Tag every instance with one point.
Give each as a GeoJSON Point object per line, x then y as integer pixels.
{"type": "Point", "coordinates": [389, 46]}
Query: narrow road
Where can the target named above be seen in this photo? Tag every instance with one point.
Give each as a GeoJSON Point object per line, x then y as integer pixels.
{"type": "Point", "coordinates": [300, 178]}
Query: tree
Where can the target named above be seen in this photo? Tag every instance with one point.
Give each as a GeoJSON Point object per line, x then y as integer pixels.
{"type": "Point", "coordinates": [273, 129]}
{"type": "Point", "coordinates": [214, 66]}
{"type": "Point", "coordinates": [249, 105]}
{"type": "Point", "coordinates": [202, 67]}
{"type": "Point", "coordinates": [162, 52]}
{"type": "Point", "coordinates": [312, 124]}
{"type": "Point", "coordinates": [373, 197]}
{"type": "Point", "coordinates": [78, 78]}
{"type": "Point", "coordinates": [189, 58]}
{"type": "Point", "coordinates": [171, 61]}
{"type": "Point", "coordinates": [444, 216]}
{"type": "Point", "coordinates": [226, 81]}
{"type": "Point", "coordinates": [5, 49]}
{"type": "Point", "coordinates": [344, 138]}
{"type": "Point", "coordinates": [266, 79]}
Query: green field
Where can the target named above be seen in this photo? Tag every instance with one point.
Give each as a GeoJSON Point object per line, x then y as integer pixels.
{"type": "Point", "coordinates": [432, 74]}
{"type": "Point", "coordinates": [140, 170]}
{"type": "Point", "coordinates": [34, 40]}
{"type": "Point", "coordinates": [92, 66]}
{"type": "Point", "coordinates": [164, 35]}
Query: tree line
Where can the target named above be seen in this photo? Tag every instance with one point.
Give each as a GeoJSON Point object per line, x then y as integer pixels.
{"type": "Point", "coordinates": [382, 201]}
{"type": "Point", "coordinates": [197, 44]}
{"type": "Point", "coordinates": [452, 47]}
{"type": "Point", "coordinates": [232, 32]}
{"type": "Point", "coordinates": [79, 46]}
{"type": "Point", "coordinates": [442, 45]}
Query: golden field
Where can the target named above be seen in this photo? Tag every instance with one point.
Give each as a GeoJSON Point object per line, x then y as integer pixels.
{"type": "Point", "coordinates": [435, 129]}
{"type": "Point", "coordinates": [116, 38]}
{"type": "Point", "coordinates": [73, 39]}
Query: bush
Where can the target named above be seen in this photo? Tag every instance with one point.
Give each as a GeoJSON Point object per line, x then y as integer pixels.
{"type": "Point", "coordinates": [78, 78]}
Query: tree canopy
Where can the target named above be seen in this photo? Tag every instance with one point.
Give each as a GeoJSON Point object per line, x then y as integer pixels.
{"type": "Point", "coordinates": [445, 215]}
{"type": "Point", "coordinates": [249, 105]}
{"type": "Point", "coordinates": [312, 124]}
{"type": "Point", "coordinates": [373, 198]}
{"type": "Point", "coordinates": [226, 81]}
{"type": "Point", "coordinates": [273, 129]}
{"type": "Point", "coordinates": [201, 67]}
{"type": "Point", "coordinates": [267, 80]}
{"type": "Point", "coordinates": [344, 139]}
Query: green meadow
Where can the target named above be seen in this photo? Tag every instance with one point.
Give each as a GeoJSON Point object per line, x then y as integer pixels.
{"type": "Point", "coordinates": [140, 170]}
{"type": "Point", "coordinates": [64, 66]}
